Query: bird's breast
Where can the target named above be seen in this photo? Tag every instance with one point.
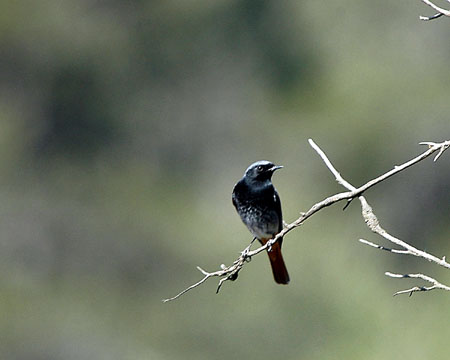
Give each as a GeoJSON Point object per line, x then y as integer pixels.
{"type": "Point", "coordinates": [262, 222]}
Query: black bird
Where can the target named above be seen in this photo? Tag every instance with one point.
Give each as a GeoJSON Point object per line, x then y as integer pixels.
{"type": "Point", "coordinates": [258, 204]}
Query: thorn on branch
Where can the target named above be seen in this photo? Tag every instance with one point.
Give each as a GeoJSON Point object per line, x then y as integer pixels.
{"type": "Point", "coordinates": [347, 204]}
{"type": "Point", "coordinates": [222, 281]}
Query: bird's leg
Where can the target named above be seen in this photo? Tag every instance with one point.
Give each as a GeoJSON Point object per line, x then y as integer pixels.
{"type": "Point", "coordinates": [269, 247]}
{"type": "Point", "coordinates": [245, 252]}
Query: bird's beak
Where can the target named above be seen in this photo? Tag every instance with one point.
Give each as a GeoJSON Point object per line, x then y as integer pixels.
{"type": "Point", "coordinates": [275, 167]}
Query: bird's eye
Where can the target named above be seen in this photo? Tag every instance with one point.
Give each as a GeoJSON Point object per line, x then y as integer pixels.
{"type": "Point", "coordinates": [259, 168]}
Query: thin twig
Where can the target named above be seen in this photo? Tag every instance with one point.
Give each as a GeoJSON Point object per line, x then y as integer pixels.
{"type": "Point", "coordinates": [207, 276]}
{"type": "Point", "coordinates": [395, 251]}
{"type": "Point", "coordinates": [428, 18]}
{"type": "Point", "coordinates": [441, 11]}
{"type": "Point", "coordinates": [330, 166]}
{"type": "Point", "coordinates": [436, 284]}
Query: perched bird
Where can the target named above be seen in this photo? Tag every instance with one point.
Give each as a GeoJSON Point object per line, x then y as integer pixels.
{"type": "Point", "coordinates": [258, 204]}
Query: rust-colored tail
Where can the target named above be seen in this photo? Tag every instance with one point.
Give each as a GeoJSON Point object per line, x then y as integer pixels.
{"type": "Point", "coordinates": [279, 270]}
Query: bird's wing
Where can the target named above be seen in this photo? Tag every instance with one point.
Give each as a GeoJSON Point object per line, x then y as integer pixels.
{"type": "Point", "coordinates": [234, 196]}
{"type": "Point", "coordinates": [277, 202]}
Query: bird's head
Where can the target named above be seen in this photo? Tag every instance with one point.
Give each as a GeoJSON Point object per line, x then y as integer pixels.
{"type": "Point", "coordinates": [261, 170]}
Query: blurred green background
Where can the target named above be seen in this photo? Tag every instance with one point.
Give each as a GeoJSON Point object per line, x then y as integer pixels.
{"type": "Point", "coordinates": [124, 126]}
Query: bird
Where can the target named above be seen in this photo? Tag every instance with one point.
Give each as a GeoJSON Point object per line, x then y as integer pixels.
{"type": "Point", "coordinates": [258, 204]}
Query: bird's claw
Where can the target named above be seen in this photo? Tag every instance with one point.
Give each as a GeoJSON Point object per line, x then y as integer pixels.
{"type": "Point", "coordinates": [244, 254]}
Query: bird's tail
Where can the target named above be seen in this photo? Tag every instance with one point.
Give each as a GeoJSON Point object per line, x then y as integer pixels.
{"type": "Point", "coordinates": [279, 270]}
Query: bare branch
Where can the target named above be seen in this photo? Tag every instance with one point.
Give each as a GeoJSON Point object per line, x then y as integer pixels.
{"type": "Point", "coordinates": [330, 166]}
{"type": "Point", "coordinates": [432, 148]}
{"type": "Point", "coordinates": [442, 147]}
{"type": "Point", "coordinates": [374, 225]}
{"type": "Point", "coordinates": [231, 272]}
{"type": "Point", "coordinates": [428, 18]}
{"type": "Point", "coordinates": [227, 273]}
{"type": "Point", "coordinates": [436, 284]}
{"type": "Point", "coordinates": [207, 276]}
{"type": "Point", "coordinates": [395, 251]}
{"type": "Point", "coordinates": [367, 212]}
{"type": "Point", "coordinates": [372, 221]}
{"type": "Point", "coordinates": [440, 11]}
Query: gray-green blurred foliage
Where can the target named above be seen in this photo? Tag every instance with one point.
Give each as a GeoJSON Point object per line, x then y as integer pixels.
{"type": "Point", "coordinates": [123, 128]}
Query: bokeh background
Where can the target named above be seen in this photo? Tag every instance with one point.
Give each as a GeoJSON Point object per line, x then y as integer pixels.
{"type": "Point", "coordinates": [123, 128]}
